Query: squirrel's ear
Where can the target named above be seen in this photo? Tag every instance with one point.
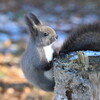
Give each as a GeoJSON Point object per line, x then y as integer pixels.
{"type": "Point", "coordinates": [30, 23]}
{"type": "Point", "coordinates": [31, 19]}
{"type": "Point", "coordinates": [35, 19]}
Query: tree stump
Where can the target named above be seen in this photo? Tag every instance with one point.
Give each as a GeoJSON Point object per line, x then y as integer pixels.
{"type": "Point", "coordinates": [77, 76]}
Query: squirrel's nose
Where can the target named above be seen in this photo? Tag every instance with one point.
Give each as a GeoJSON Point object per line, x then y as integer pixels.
{"type": "Point", "coordinates": [56, 36]}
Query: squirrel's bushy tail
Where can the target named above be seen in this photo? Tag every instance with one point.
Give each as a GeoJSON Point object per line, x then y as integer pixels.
{"type": "Point", "coordinates": [86, 37]}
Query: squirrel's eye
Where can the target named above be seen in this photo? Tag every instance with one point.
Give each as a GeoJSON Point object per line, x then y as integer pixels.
{"type": "Point", "coordinates": [46, 34]}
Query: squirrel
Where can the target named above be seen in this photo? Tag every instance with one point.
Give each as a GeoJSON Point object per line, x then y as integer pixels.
{"type": "Point", "coordinates": [38, 56]}
{"type": "Point", "coordinates": [37, 59]}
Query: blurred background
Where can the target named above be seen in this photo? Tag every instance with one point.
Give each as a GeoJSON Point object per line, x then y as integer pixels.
{"type": "Point", "coordinates": [62, 15]}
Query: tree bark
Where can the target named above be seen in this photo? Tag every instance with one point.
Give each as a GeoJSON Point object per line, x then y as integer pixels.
{"type": "Point", "coordinates": [77, 77]}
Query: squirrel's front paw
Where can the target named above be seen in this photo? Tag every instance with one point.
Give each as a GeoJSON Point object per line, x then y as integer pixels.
{"type": "Point", "coordinates": [61, 54]}
{"type": "Point", "coordinates": [46, 67]}
{"type": "Point", "coordinates": [55, 55]}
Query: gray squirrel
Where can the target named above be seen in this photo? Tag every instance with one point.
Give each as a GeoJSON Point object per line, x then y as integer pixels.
{"type": "Point", "coordinates": [37, 59]}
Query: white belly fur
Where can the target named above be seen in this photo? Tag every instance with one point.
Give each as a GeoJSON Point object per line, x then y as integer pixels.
{"type": "Point", "coordinates": [49, 55]}
{"type": "Point", "coordinates": [49, 52]}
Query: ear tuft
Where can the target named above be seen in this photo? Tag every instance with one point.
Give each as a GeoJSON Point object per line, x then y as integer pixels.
{"type": "Point", "coordinates": [28, 20]}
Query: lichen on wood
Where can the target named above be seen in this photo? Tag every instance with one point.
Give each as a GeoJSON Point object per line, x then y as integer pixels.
{"type": "Point", "coordinates": [77, 77]}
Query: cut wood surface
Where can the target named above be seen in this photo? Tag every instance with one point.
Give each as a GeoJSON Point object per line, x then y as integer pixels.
{"type": "Point", "coordinates": [77, 77]}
